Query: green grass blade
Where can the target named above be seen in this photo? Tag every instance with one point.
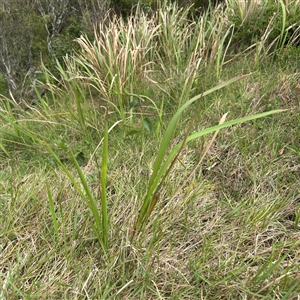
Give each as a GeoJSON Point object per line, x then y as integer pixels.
{"type": "Point", "coordinates": [284, 20]}
{"type": "Point", "coordinates": [4, 150]}
{"type": "Point", "coordinates": [210, 130]}
{"type": "Point", "coordinates": [52, 211]}
{"type": "Point", "coordinates": [157, 173]}
{"type": "Point", "coordinates": [270, 265]}
{"type": "Point", "coordinates": [150, 197]}
{"type": "Point", "coordinates": [90, 200]}
{"type": "Point", "coordinates": [172, 125]}
{"type": "Point", "coordinates": [103, 187]}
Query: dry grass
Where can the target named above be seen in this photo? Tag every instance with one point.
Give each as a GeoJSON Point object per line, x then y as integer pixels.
{"type": "Point", "coordinates": [227, 228]}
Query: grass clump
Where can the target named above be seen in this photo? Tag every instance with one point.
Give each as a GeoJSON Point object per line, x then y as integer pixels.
{"type": "Point", "coordinates": [119, 184]}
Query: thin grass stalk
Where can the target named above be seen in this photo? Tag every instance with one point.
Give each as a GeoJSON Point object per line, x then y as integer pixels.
{"type": "Point", "coordinates": [201, 160]}
{"type": "Point", "coordinates": [80, 99]}
{"type": "Point", "coordinates": [52, 211]}
{"type": "Point", "coordinates": [158, 110]}
{"type": "Point", "coordinates": [155, 197]}
{"type": "Point", "coordinates": [78, 89]}
{"type": "Point", "coordinates": [282, 38]}
{"type": "Point", "coordinates": [218, 127]}
{"type": "Point", "coordinates": [74, 89]}
{"type": "Point", "coordinates": [104, 182]}
{"type": "Point", "coordinates": [42, 102]}
{"type": "Point", "coordinates": [261, 50]}
{"type": "Point", "coordinates": [88, 165]}
{"type": "Point", "coordinates": [4, 150]}
{"type": "Point", "coordinates": [12, 116]}
{"type": "Point", "coordinates": [295, 37]}
{"type": "Point", "coordinates": [91, 202]}
{"type": "Point", "coordinates": [221, 53]}
{"type": "Point", "coordinates": [49, 87]}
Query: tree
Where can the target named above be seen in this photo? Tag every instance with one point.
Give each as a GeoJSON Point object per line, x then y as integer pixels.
{"type": "Point", "coordinates": [16, 36]}
{"type": "Point", "coordinates": [31, 30]}
{"type": "Point", "coordinates": [54, 13]}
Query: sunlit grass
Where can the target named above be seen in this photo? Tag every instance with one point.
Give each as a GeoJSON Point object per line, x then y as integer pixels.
{"type": "Point", "coordinates": [120, 183]}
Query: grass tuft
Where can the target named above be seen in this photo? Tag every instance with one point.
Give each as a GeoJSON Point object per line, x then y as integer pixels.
{"type": "Point", "coordinates": [124, 144]}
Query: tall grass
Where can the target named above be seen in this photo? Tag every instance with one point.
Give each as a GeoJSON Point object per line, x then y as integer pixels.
{"type": "Point", "coordinates": [266, 24]}
{"type": "Point", "coordinates": [115, 63]}
{"type": "Point", "coordinates": [131, 197]}
{"type": "Point", "coordinates": [119, 55]}
{"type": "Point", "coordinates": [163, 50]}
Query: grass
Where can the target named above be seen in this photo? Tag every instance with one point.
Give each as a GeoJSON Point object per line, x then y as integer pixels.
{"type": "Point", "coordinates": [109, 188]}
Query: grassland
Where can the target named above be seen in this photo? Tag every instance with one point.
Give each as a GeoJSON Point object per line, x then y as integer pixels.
{"type": "Point", "coordinates": [98, 201]}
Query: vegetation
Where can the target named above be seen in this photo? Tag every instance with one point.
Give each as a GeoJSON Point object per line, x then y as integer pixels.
{"type": "Point", "coordinates": [162, 160]}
